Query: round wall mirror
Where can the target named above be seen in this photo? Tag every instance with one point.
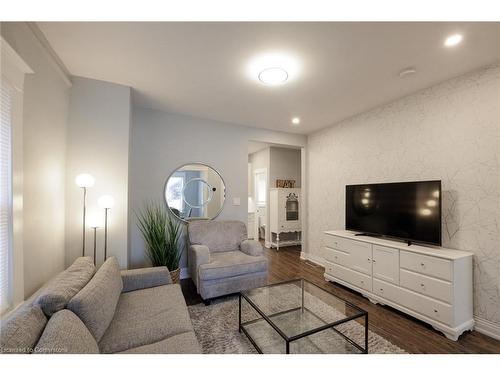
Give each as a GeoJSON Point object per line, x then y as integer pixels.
{"type": "Point", "coordinates": [195, 191]}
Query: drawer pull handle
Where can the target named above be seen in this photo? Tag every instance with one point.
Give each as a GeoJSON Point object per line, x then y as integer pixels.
{"type": "Point", "coordinates": [435, 311]}
{"type": "Point", "coordinates": [382, 289]}
{"type": "Point", "coordinates": [362, 282]}
{"type": "Point", "coordinates": [335, 257]}
{"type": "Point", "coordinates": [368, 259]}
{"type": "Point", "coordinates": [373, 260]}
{"type": "Point", "coordinates": [422, 264]}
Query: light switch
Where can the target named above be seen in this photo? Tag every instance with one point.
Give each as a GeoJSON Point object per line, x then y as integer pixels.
{"type": "Point", "coordinates": [236, 201]}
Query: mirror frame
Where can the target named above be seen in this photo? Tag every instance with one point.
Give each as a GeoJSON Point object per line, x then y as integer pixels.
{"type": "Point", "coordinates": [176, 170]}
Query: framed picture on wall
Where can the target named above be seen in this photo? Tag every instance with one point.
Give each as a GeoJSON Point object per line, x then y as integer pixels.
{"type": "Point", "coordinates": [285, 183]}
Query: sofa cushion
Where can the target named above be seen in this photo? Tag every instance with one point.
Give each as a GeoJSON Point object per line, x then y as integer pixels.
{"type": "Point", "coordinates": [217, 235]}
{"type": "Point", "coordinates": [95, 304]}
{"type": "Point", "coordinates": [66, 334]}
{"type": "Point", "coordinates": [20, 331]}
{"type": "Point", "coordinates": [231, 263]}
{"type": "Point", "coordinates": [146, 316]}
{"type": "Point", "coordinates": [183, 343]}
{"type": "Point", "coordinates": [58, 292]}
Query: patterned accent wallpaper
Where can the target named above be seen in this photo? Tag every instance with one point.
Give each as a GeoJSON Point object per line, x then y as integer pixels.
{"type": "Point", "coordinates": [450, 132]}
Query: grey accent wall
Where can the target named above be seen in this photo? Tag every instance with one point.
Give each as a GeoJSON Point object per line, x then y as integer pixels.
{"type": "Point", "coordinates": [449, 132]}
{"type": "Point", "coordinates": [46, 100]}
{"type": "Point", "coordinates": [161, 142]}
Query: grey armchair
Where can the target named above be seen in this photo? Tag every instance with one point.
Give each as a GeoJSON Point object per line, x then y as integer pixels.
{"type": "Point", "coordinates": [222, 260]}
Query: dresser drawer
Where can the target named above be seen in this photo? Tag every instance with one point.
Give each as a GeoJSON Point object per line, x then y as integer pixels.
{"type": "Point", "coordinates": [352, 277]}
{"type": "Point", "coordinates": [429, 286]}
{"type": "Point", "coordinates": [436, 310]}
{"type": "Point", "coordinates": [345, 244]}
{"type": "Point", "coordinates": [336, 256]}
{"type": "Point", "coordinates": [386, 290]}
{"type": "Point", "coordinates": [427, 265]}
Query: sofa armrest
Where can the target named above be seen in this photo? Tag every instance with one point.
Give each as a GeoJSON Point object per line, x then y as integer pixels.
{"type": "Point", "coordinates": [143, 278]}
{"type": "Point", "coordinates": [251, 247]}
{"type": "Point", "coordinates": [197, 255]}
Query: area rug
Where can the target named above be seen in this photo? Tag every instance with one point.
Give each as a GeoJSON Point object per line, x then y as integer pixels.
{"type": "Point", "coordinates": [216, 327]}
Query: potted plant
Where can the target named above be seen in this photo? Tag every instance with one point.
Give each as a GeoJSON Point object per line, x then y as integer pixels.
{"type": "Point", "coordinates": [162, 236]}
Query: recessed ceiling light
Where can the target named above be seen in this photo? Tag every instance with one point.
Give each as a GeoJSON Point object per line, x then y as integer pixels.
{"type": "Point", "coordinates": [296, 121]}
{"type": "Point", "coordinates": [407, 72]}
{"type": "Point", "coordinates": [273, 76]}
{"type": "Point", "coordinates": [453, 40]}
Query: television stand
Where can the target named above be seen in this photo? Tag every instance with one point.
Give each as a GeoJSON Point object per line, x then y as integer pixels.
{"type": "Point", "coordinates": [432, 284]}
{"type": "Point", "coordinates": [368, 235]}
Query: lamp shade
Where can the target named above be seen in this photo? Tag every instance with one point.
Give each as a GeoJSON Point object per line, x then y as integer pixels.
{"type": "Point", "coordinates": [106, 201]}
{"type": "Point", "coordinates": [84, 180]}
{"type": "Point", "coordinates": [95, 221]}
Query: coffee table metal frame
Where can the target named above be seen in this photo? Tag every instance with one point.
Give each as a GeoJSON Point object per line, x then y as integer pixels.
{"type": "Point", "coordinates": [288, 340]}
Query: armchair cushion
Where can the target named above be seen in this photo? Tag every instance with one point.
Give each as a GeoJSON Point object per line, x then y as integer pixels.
{"type": "Point", "coordinates": [142, 278]}
{"type": "Point", "coordinates": [231, 263]}
{"type": "Point", "coordinates": [251, 247]}
{"type": "Point", "coordinates": [218, 236]}
{"type": "Point", "coordinates": [197, 255]}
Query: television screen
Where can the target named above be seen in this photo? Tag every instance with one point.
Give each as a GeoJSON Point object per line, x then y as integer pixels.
{"type": "Point", "coordinates": [410, 211]}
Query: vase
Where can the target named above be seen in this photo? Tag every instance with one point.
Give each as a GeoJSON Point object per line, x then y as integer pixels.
{"type": "Point", "coordinates": [175, 276]}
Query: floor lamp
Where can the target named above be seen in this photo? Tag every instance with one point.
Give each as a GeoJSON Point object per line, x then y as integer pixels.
{"type": "Point", "coordinates": [107, 202]}
{"type": "Point", "coordinates": [84, 181]}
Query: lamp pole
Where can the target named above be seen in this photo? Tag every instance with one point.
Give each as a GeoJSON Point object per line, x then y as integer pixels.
{"type": "Point", "coordinates": [84, 226]}
{"type": "Point", "coordinates": [106, 202]}
{"type": "Point", "coordinates": [84, 180]}
{"type": "Point", "coordinates": [106, 233]}
{"type": "Point", "coordinates": [95, 244]}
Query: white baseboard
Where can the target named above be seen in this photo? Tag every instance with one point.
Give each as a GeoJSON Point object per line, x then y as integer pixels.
{"type": "Point", "coordinates": [184, 273]}
{"type": "Point", "coordinates": [487, 328]}
{"type": "Point", "coordinates": [312, 258]}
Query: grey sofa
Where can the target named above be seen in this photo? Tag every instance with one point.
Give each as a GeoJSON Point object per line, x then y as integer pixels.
{"type": "Point", "coordinates": [108, 311]}
{"type": "Point", "coordinates": [222, 260]}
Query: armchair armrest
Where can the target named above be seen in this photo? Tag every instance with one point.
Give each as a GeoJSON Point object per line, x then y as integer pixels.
{"type": "Point", "coordinates": [197, 255]}
{"type": "Point", "coordinates": [143, 278]}
{"type": "Point", "coordinates": [251, 247]}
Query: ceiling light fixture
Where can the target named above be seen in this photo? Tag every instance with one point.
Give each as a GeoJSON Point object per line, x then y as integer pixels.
{"type": "Point", "coordinates": [273, 76]}
{"type": "Point", "coordinates": [453, 40]}
{"type": "Point", "coordinates": [273, 69]}
{"type": "Point", "coordinates": [296, 121]}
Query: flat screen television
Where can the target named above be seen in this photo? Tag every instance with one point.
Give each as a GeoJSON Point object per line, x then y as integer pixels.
{"type": "Point", "coordinates": [409, 211]}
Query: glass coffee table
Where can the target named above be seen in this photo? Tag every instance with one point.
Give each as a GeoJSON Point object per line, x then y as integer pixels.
{"type": "Point", "coordinates": [298, 316]}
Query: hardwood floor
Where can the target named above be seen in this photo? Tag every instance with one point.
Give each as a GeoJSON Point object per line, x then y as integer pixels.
{"type": "Point", "coordinates": [408, 333]}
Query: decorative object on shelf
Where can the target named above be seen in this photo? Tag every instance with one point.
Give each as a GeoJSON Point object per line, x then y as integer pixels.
{"type": "Point", "coordinates": [284, 217]}
{"type": "Point", "coordinates": [162, 236]}
{"type": "Point", "coordinates": [94, 224]}
{"type": "Point", "coordinates": [107, 202]}
{"type": "Point", "coordinates": [84, 181]}
{"type": "Point", "coordinates": [285, 184]}
{"type": "Point", "coordinates": [195, 191]}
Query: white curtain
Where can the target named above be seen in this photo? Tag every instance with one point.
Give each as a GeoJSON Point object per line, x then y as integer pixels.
{"type": "Point", "coordinates": [5, 198]}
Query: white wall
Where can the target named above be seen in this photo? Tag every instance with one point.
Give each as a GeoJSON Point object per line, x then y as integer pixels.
{"type": "Point", "coordinates": [161, 142]}
{"type": "Point", "coordinates": [284, 165]}
{"type": "Point", "coordinates": [98, 143]}
{"type": "Point", "coordinates": [46, 96]}
{"type": "Point", "coordinates": [449, 132]}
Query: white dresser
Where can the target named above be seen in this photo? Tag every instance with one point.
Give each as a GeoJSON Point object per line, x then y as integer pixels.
{"type": "Point", "coordinates": [431, 284]}
{"type": "Point", "coordinates": [284, 216]}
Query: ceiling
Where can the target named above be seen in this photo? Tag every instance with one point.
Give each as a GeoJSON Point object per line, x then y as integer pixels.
{"type": "Point", "coordinates": [200, 69]}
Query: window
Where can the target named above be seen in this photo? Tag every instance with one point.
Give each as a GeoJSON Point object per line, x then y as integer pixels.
{"type": "Point", "coordinates": [174, 192]}
{"type": "Point", "coordinates": [260, 188]}
{"type": "Point", "coordinates": [5, 198]}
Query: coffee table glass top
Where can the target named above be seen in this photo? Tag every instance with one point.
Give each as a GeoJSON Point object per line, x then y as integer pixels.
{"type": "Point", "coordinates": [298, 308]}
